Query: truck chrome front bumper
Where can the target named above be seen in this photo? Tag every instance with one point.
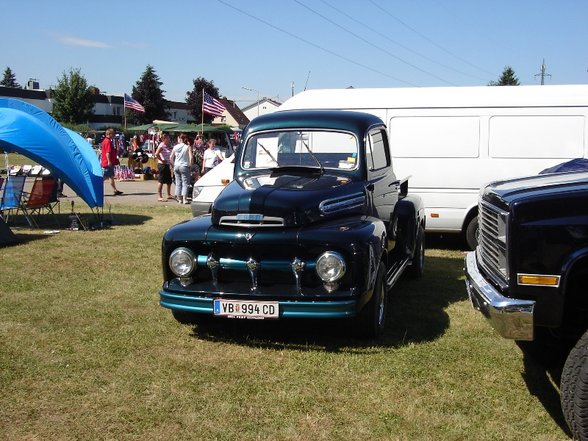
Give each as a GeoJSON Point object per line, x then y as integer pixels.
{"type": "Point", "coordinates": [512, 318]}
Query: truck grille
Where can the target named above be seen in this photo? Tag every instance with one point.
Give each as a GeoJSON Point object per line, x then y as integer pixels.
{"type": "Point", "coordinates": [492, 240]}
{"type": "Point", "coordinates": [248, 220]}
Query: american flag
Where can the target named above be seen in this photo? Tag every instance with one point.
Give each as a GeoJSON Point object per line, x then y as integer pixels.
{"type": "Point", "coordinates": [130, 103]}
{"type": "Point", "coordinates": [212, 105]}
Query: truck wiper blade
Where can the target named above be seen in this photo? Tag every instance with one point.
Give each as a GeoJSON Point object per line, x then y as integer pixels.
{"type": "Point", "coordinates": [268, 152]}
{"type": "Point", "coordinates": [313, 157]}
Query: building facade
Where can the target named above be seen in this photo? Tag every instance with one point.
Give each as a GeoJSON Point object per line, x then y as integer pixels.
{"type": "Point", "coordinates": [108, 109]}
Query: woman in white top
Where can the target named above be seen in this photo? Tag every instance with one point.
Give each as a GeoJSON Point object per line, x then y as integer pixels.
{"type": "Point", "coordinates": [181, 157]}
{"type": "Point", "coordinates": [211, 156]}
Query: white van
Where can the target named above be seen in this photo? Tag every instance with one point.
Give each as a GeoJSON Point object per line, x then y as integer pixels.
{"type": "Point", "coordinates": [453, 140]}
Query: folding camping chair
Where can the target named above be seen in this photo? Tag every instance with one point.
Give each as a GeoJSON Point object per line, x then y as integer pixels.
{"type": "Point", "coordinates": [12, 196]}
{"type": "Point", "coordinates": [43, 197]}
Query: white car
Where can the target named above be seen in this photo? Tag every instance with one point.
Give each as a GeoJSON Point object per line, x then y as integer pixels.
{"type": "Point", "coordinates": [209, 186]}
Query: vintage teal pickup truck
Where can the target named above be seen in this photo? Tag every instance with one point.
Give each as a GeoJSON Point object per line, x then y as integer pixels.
{"type": "Point", "coordinates": [314, 225]}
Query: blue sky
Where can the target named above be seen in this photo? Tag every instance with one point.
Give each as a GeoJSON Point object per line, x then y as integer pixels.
{"type": "Point", "coordinates": [277, 46]}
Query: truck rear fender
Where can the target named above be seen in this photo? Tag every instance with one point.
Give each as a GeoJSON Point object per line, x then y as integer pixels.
{"type": "Point", "coordinates": [408, 213]}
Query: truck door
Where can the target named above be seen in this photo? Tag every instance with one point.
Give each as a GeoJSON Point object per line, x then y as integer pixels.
{"type": "Point", "coordinates": [381, 181]}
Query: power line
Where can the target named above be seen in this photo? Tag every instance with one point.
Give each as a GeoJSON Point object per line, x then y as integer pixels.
{"type": "Point", "coordinates": [428, 39]}
{"type": "Point", "coordinates": [314, 44]}
{"type": "Point", "coordinates": [372, 44]}
{"type": "Point", "coordinates": [371, 28]}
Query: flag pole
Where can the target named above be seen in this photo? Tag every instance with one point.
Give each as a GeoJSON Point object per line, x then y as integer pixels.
{"type": "Point", "coordinates": [125, 112]}
{"type": "Point", "coordinates": [202, 111]}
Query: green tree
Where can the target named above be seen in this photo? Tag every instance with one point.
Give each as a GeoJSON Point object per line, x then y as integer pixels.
{"type": "Point", "coordinates": [507, 78]}
{"type": "Point", "coordinates": [194, 99]}
{"type": "Point", "coordinates": [72, 98]}
{"type": "Point", "coordinates": [9, 79]}
{"type": "Point", "coordinates": [147, 91]}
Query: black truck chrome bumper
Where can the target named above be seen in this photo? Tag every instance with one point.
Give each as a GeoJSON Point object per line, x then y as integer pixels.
{"type": "Point", "coordinates": [512, 318]}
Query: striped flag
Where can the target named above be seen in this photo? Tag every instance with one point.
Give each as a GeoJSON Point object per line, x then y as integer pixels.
{"type": "Point", "coordinates": [212, 105]}
{"type": "Point", "coordinates": [130, 103]}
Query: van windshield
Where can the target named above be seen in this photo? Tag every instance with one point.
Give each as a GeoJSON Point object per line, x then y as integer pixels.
{"type": "Point", "coordinates": [310, 148]}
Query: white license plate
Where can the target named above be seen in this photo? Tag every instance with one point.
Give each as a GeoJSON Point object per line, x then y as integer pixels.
{"type": "Point", "coordinates": [246, 309]}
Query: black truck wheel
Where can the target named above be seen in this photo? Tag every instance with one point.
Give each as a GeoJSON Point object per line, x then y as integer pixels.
{"type": "Point", "coordinates": [371, 321]}
{"type": "Point", "coordinates": [417, 266]}
{"type": "Point", "coordinates": [574, 389]}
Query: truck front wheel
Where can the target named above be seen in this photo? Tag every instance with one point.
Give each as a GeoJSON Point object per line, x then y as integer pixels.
{"type": "Point", "coordinates": [574, 389]}
{"type": "Point", "coordinates": [371, 321]}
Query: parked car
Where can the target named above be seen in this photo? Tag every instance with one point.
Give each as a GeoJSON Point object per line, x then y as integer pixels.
{"type": "Point", "coordinates": [315, 224]}
{"type": "Point", "coordinates": [529, 272]}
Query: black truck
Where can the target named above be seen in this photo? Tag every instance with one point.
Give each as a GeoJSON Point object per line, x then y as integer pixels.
{"type": "Point", "coordinates": [528, 274]}
{"type": "Point", "coordinates": [314, 225]}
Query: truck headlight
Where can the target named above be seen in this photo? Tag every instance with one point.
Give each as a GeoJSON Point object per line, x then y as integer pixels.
{"type": "Point", "coordinates": [182, 262]}
{"type": "Point", "coordinates": [196, 191]}
{"type": "Point", "coordinates": [330, 266]}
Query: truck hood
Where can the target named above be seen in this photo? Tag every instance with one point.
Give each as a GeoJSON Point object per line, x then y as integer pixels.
{"type": "Point", "coordinates": [508, 191]}
{"type": "Point", "coordinates": [287, 199]}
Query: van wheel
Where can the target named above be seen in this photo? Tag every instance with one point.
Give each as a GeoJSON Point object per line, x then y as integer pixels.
{"type": "Point", "coordinates": [371, 321]}
{"type": "Point", "coordinates": [574, 389]}
{"type": "Point", "coordinates": [471, 233]}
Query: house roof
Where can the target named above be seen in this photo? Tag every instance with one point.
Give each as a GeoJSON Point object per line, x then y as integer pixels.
{"type": "Point", "coordinates": [15, 92]}
{"type": "Point", "coordinates": [235, 112]}
{"type": "Point", "coordinates": [262, 100]}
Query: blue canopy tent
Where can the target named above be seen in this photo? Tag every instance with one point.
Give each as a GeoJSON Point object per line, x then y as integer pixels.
{"type": "Point", "coordinates": [30, 131]}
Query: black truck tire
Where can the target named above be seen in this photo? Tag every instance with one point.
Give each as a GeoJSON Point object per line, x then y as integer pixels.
{"type": "Point", "coordinates": [417, 266]}
{"type": "Point", "coordinates": [371, 321]}
{"type": "Point", "coordinates": [574, 389]}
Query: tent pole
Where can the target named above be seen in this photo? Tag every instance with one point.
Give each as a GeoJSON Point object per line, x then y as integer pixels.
{"type": "Point", "coordinates": [7, 165]}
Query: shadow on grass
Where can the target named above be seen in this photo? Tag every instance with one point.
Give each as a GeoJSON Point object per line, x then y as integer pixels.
{"type": "Point", "coordinates": [63, 220]}
{"type": "Point", "coordinates": [541, 379]}
{"type": "Point", "coordinates": [416, 314]}
{"type": "Point", "coordinates": [47, 223]}
{"type": "Point", "coordinates": [543, 361]}
{"type": "Point", "coordinates": [446, 241]}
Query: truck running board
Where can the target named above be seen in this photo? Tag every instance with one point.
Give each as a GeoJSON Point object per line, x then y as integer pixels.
{"type": "Point", "coordinates": [395, 272]}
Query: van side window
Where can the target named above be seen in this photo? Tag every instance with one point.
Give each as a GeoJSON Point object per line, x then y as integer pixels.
{"type": "Point", "coordinates": [377, 154]}
{"type": "Point", "coordinates": [536, 136]}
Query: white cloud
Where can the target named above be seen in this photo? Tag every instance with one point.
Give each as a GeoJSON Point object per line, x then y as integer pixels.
{"type": "Point", "coordinates": [76, 41]}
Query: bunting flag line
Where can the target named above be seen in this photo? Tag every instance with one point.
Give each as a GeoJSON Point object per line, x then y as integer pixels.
{"type": "Point", "coordinates": [212, 105]}
{"type": "Point", "coordinates": [130, 103]}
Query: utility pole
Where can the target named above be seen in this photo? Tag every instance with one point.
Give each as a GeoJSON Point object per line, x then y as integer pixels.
{"type": "Point", "coordinates": [542, 74]}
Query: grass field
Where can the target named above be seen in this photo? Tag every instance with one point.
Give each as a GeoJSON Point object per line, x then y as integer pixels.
{"type": "Point", "coordinates": [86, 353]}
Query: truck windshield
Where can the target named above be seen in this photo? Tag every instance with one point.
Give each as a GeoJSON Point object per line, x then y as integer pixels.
{"type": "Point", "coordinates": [314, 148]}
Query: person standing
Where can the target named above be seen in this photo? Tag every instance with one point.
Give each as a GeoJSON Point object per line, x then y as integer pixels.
{"type": "Point", "coordinates": [109, 159]}
{"type": "Point", "coordinates": [132, 154]}
{"type": "Point", "coordinates": [211, 157]}
{"type": "Point", "coordinates": [163, 154]}
{"type": "Point", "coordinates": [197, 152]}
{"type": "Point", "coordinates": [181, 157]}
